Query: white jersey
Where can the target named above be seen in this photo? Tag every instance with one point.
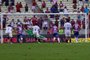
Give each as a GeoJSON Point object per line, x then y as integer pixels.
{"type": "Point", "coordinates": [8, 30]}
{"type": "Point", "coordinates": [67, 26]}
{"type": "Point", "coordinates": [36, 28]}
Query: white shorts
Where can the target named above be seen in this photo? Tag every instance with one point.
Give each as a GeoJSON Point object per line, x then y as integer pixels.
{"type": "Point", "coordinates": [9, 34]}
{"type": "Point", "coordinates": [36, 33]}
{"type": "Point", "coordinates": [68, 33]}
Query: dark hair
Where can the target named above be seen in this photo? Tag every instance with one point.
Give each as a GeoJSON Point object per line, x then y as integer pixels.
{"type": "Point", "coordinates": [9, 25]}
{"type": "Point", "coordinates": [67, 20]}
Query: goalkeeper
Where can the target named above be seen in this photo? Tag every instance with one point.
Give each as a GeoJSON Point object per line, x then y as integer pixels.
{"type": "Point", "coordinates": [35, 31]}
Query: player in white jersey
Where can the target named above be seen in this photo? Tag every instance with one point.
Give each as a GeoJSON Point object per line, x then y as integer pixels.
{"type": "Point", "coordinates": [67, 30]}
{"type": "Point", "coordinates": [36, 32]}
{"type": "Point", "coordinates": [8, 31]}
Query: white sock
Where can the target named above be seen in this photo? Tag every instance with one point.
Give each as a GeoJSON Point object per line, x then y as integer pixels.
{"type": "Point", "coordinates": [54, 38]}
{"type": "Point", "coordinates": [58, 40]}
{"type": "Point", "coordinates": [76, 39]}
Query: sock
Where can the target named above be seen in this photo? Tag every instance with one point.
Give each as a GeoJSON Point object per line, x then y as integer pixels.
{"type": "Point", "coordinates": [54, 38]}
{"type": "Point", "coordinates": [58, 40]}
{"type": "Point", "coordinates": [76, 39]}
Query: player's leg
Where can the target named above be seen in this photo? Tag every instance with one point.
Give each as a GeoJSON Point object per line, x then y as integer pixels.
{"type": "Point", "coordinates": [58, 39]}
{"type": "Point", "coordinates": [76, 36]}
{"type": "Point", "coordinates": [70, 37]}
{"type": "Point", "coordinates": [21, 38]}
{"type": "Point", "coordinates": [10, 38]}
{"type": "Point", "coordinates": [37, 36]}
{"type": "Point", "coordinates": [57, 36]}
{"type": "Point", "coordinates": [66, 36]}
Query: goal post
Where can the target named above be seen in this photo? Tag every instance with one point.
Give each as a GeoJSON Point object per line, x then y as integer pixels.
{"type": "Point", "coordinates": [42, 14]}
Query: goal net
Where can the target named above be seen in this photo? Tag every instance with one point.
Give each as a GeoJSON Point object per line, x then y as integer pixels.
{"type": "Point", "coordinates": [45, 21]}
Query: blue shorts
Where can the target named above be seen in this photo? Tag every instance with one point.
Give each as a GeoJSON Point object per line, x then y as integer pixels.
{"type": "Point", "coordinates": [56, 35]}
{"type": "Point", "coordinates": [76, 34]}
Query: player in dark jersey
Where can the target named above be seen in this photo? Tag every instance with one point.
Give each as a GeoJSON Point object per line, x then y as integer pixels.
{"type": "Point", "coordinates": [76, 31]}
{"type": "Point", "coordinates": [20, 33]}
{"type": "Point", "coordinates": [55, 33]}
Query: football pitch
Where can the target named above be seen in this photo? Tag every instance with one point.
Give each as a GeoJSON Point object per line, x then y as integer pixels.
{"type": "Point", "coordinates": [45, 51]}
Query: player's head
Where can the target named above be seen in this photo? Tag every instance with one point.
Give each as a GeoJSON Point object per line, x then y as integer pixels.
{"type": "Point", "coordinates": [67, 20]}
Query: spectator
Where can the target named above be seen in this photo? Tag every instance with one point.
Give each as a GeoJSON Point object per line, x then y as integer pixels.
{"type": "Point", "coordinates": [47, 10]}
{"type": "Point", "coordinates": [43, 4]}
{"type": "Point", "coordinates": [61, 6]}
{"type": "Point", "coordinates": [78, 10]}
{"type": "Point", "coordinates": [6, 2]}
{"type": "Point", "coordinates": [82, 9]}
{"type": "Point", "coordinates": [54, 9]}
{"type": "Point", "coordinates": [81, 3]}
{"type": "Point", "coordinates": [26, 8]}
{"type": "Point", "coordinates": [65, 10]}
{"type": "Point", "coordinates": [74, 1]}
{"type": "Point", "coordinates": [18, 7]}
{"type": "Point", "coordinates": [25, 19]}
{"type": "Point", "coordinates": [55, 1]}
{"type": "Point", "coordinates": [75, 7]}
{"type": "Point", "coordinates": [86, 1]}
{"type": "Point", "coordinates": [20, 4]}
{"type": "Point", "coordinates": [12, 2]}
{"type": "Point", "coordinates": [34, 5]}
{"type": "Point", "coordinates": [86, 10]}
{"type": "Point", "coordinates": [10, 8]}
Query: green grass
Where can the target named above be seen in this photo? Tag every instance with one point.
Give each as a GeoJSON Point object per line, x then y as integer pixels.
{"type": "Point", "coordinates": [45, 51]}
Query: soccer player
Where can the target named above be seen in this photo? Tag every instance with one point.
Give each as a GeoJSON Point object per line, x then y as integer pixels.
{"type": "Point", "coordinates": [76, 31]}
{"type": "Point", "coordinates": [20, 33]}
{"type": "Point", "coordinates": [8, 31]}
{"type": "Point", "coordinates": [67, 30]}
{"type": "Point", "coordinates": [55, 34]}
{"type": "Point", "coordinates": [36, 32]}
